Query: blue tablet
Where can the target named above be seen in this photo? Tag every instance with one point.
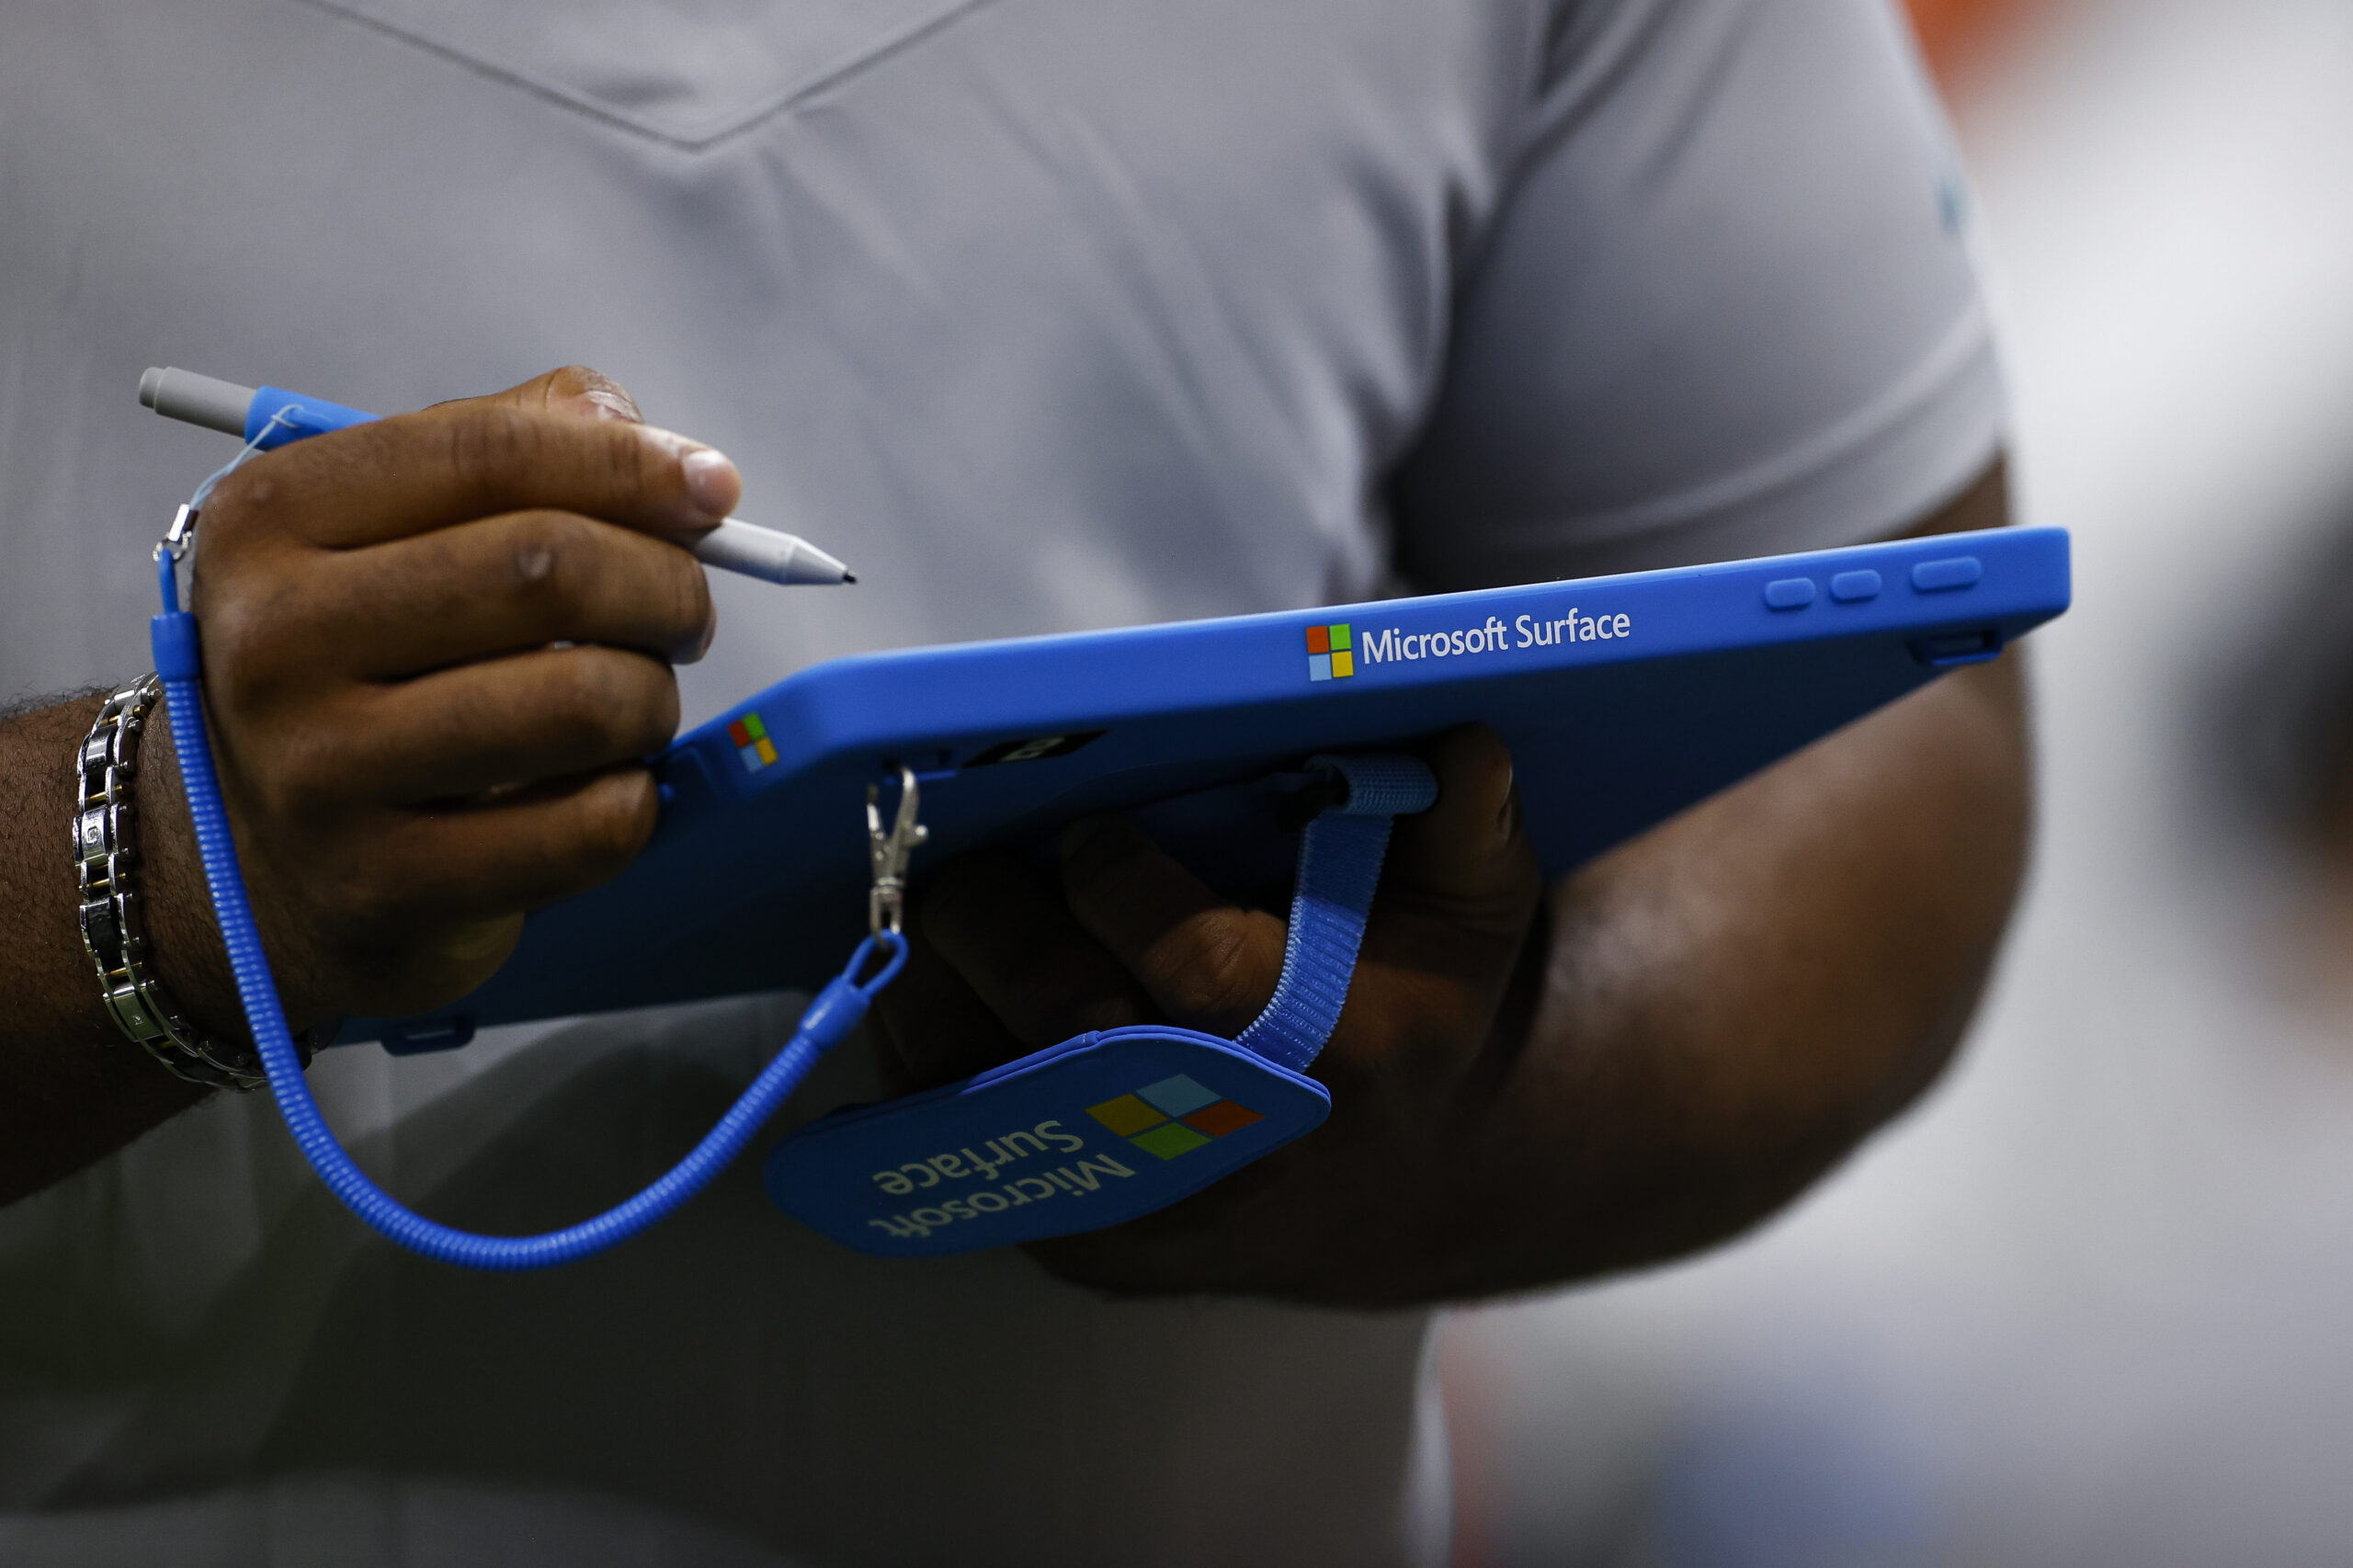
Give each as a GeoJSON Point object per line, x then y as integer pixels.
{"type": "Point", "coordinates": [1623, 700]}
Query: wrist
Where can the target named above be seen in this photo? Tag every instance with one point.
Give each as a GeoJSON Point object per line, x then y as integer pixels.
{"type": "Point", "coordinates": [120, 917]}
{"type": "Point", "coordinates": [188, 954]}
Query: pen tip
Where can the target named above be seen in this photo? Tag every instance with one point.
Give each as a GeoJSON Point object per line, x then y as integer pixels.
{"type": "Point", "coordinates": [849, 576]}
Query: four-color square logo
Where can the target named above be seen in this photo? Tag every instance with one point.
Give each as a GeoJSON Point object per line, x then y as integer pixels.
{"type": "Point", "coordinates": [751, 743]}
{"type": "Point", "coordinates": [1174, 1116]}
{"type": "Point", "coordinates": [1331, 654]}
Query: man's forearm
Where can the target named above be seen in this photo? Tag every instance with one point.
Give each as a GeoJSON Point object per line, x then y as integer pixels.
{"type": "Point", "coordinates": [1729, 1004]}
{"type": "Point", "coordinates": [1722, 1010]}
{"type": "Point", "coordinates": [75, 1089]}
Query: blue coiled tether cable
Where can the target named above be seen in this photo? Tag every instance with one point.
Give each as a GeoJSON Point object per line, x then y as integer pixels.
{"type": "Point", "coordinates": [827, 1021]}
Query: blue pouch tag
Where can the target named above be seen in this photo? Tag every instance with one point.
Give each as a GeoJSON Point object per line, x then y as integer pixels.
{"type": "Point", "coordinates": [1093, 1131]}
{"type": "Point", "coordinates": [1111, 1125]}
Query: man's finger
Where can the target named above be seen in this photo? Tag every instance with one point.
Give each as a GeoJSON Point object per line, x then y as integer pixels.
{"type": "Point", "coordinates": [1002, 924]}
{"type": "Point", "coordinates": [1468, 858]}
{"type": "Point", "coordinates": [573, 388]}
{"type": "Point", "coordinates": [1205, 963]}
{"type": "Point", "coordinates": [504, 856]}
{"type": "Point", "coordinates": [548, 714]}
{"type": "Point", "coordinates": [420, 471]}
{"type": "Point", "coordinates": [931, 1027]}
{"type": "Point", "coordinates": [496, 586]}
{"type": "Point", "coordinates": [445, 891]}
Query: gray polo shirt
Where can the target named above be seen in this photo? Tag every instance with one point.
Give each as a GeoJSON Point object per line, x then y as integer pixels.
{"type": "Point", "coordinates": [1046, 315]}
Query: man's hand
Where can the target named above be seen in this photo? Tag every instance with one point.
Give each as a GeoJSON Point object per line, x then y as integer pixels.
{"type": "Point", "coordinates": [436, 650]}
{"type": "Point", "coordinates": [1009, 959]}
{"type": "Point", "coordinates": [1693, 1028]}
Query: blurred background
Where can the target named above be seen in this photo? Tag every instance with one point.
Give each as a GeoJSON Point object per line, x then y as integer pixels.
{"type": "Point", "coordinates": [2092, 1302]}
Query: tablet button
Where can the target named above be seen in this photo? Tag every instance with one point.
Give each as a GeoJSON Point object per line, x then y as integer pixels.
{"type": "Point", "coordinates": [1790, 593]}
{"type": "Point", "coordinates": [1955, 572]}
{"type": "Point", "coordinates": [1850, 587]}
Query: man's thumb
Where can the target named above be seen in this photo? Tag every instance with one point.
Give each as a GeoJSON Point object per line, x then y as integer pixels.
{"type": "Point", "coordinates": [1468, 856]}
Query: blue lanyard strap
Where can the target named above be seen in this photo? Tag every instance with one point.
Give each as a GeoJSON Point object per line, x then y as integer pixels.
{"type": "Point", "coordinates": [1339, 867]}
{"type": "Point", "coordinates": [829, 1019]}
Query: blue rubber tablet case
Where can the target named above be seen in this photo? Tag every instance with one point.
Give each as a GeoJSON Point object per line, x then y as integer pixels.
{"type": "Point", "coordinates": [1623, 700]}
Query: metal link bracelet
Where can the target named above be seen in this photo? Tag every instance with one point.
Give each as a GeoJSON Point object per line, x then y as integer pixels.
{"type": "Point", "coordinates": [114, 928]}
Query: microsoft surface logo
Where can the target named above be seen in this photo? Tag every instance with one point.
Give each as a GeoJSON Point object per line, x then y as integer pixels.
{"type": "Point", "coordinates": [751, 743]}
{"type": "Point", "coordinates": [1174, 1116]}
{"type": "Point", "coordinates": [1330, 652]}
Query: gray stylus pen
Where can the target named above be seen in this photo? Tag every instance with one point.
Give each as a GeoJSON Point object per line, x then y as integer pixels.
{"type": "Point", "coordinates": [245, 411]}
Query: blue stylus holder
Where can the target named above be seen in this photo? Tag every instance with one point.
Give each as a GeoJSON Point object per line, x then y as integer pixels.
{"type": "Point", "coordinates": [1101, 1129]}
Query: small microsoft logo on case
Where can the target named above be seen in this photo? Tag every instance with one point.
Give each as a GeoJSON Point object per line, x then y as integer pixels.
{"type": "Point", "coordinates": [1173, 1117]}
{"type": "Point", "coordinates": [1330, 652]}
{"type": "Point", "coordinates": [751, 743]}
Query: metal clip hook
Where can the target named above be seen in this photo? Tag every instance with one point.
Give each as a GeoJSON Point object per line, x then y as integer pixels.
{"type": "Point", "coordinates": [179, 536]}
{"type": "Point", "coordinates": [886, 906]}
